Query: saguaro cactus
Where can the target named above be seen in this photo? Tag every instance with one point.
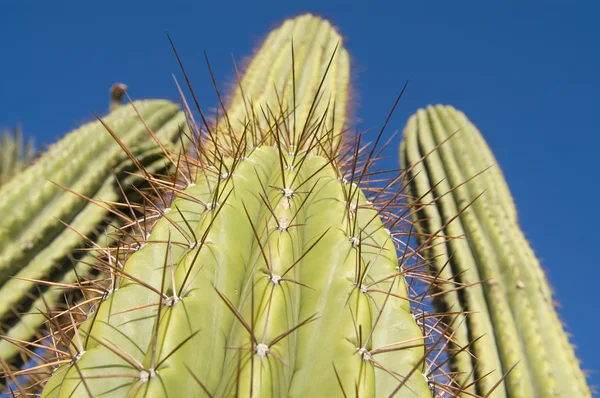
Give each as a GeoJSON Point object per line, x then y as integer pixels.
{"type": "Point", "coordinates": [510, 300]}
{"type": "Point", "coordinates": [270, 274]}
{"type": "Point", "coordinates": [46, 218]}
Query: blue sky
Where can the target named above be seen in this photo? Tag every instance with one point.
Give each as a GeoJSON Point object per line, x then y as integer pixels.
{"type": "Point", "coordinates": [526, 73]}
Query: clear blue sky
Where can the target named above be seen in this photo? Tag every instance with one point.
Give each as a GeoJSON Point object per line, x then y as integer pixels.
{"type": "Point", "coordinates": [526, 74]}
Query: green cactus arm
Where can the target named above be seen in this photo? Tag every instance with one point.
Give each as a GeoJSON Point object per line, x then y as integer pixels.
{"type": "Point", "coordinates": [441, 164]}
{"type": "Point", "coordinates": [15, 155]}
{"type": "Point", "coordinates": [490, 231]}
{"type": "Point", "coordinates": [49, 202]}
{"type": "Point", "coordinates": [47, 258]}
{"type": "Point", "coordinates": [526, 331]}
{"type": "Point", "coordinates": [429, 223]}
{"type": "Point", "coordinates": [26, 332]}
{"type": "Point", "coordinates": [88, 138]}
{"type": "Point", "coordinates": [52, 259]}
{"type": "Point", "coordinates": [547, 343]}
{"type": "Point", "coordinates": [261, 276]}
{"type": "Point", "coordinates": [24, 235]}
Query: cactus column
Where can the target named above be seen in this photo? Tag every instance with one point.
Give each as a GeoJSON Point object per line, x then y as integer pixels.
{"type": "Point", "coordinates": [270, 274]}
{"type": "Point", "coordinates": [513, 311]}
{"type": "Point", "coordinates": [35, 242]}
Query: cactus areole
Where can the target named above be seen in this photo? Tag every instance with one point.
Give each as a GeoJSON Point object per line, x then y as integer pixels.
{"type": "Point", "coordinates": [269, 274]}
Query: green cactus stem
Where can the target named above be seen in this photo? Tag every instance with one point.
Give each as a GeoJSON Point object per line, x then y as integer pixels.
{"type": "Point", "coordinates": [270, 274]}
{"type": "Point", "coordinates": [29, 324]}
{"type": "Point", "coordinates": [63, 201]}
{"type": "Point", "coordinates": [460, 192]}
{"type": "Point", "coordinates": [15, 154]}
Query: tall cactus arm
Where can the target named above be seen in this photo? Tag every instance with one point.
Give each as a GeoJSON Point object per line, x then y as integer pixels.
{"type": "Point", "coordinates": [510, 297]}
{"type": "Point", "coordinates": [46, 215]}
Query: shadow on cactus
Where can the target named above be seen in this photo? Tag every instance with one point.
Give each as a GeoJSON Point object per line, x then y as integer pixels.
{"type": "Point", "coordinates": [279, 267]}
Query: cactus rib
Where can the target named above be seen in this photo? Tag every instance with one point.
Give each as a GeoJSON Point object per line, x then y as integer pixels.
{"type": "Point", "coordinates": [514, 311]}
{"type": "Point", "coordinates": [50, 222]}
{"type": "Point", "coordinates": [14, 154]}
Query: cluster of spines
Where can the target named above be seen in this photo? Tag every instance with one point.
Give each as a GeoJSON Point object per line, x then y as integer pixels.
{"type": "Point", "coordinates": [272, 169]}
{"type": "Point", "coordinates": [63, 203]}
{"type": "Point", "coordinates": [512, 328]}
{"type": "Point", "coordinates": [15, 154]}
{"type": "Point", "coordinates": [310, 178]}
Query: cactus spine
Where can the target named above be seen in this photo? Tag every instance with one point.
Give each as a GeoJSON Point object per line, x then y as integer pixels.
{"type": "Point", "coordinates": [513, 311]}
{"type": "Point", "coordinates": [269, 274]}
{"type": "Point", "coordinates": [44, 223]}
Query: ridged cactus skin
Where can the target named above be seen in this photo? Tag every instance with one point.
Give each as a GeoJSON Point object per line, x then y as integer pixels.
{"type": "Point", "coordinates": [269, 274]}
{"type": "Point", "coordinates": [509, 300]}
{"type": "Point", "coordinates": [15, 154]}
{"type": "Point", "coordinates": [46, 219]}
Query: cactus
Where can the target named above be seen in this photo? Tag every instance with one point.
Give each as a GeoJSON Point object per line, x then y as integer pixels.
{"type": "Point", "coordinates": [62, 203]}
{"type": "Point", "coordinates": [270, 273]}
{"type": "Point", "coordinates": [460, 192]}
{"type": "Point", "coordinates": [14, 155]}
